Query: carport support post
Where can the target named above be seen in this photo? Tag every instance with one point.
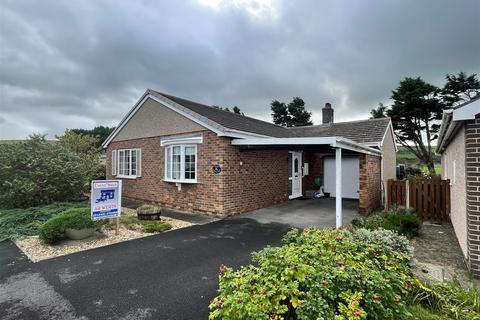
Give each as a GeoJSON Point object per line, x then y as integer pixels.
{"type": "Point", "coordinates": [338, 187]}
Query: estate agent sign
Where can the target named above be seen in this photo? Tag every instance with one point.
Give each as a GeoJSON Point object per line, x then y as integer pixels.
{"type": "Point", "coordinates": [106, 199]}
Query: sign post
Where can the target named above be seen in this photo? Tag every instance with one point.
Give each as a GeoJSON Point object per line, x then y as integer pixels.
{"type": "Point", "coordinates": [106, 200]}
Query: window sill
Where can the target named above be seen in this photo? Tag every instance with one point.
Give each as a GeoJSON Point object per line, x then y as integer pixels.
{"type": "Point", "coordinates": [127, 177]}
{"type": "Point", "coordinates": [180, 181]}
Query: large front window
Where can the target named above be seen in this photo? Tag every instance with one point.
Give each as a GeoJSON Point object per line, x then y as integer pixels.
{"type": "Point", "coordinates": [181, 163]}
{"type": "Point", "coordinates": [128, 162]}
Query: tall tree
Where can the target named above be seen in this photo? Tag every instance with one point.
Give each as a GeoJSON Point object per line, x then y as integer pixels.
{"type": "Point", "coordinates": [292, 115]}
{"type": "Point", "coordinates": [379, 112]}
{"type": "Point", "coordinates": [460, 88]}
{"type": "Point", "coordinates": [100, 133]}
{"type": "Point", "coordinates": [415, 112]}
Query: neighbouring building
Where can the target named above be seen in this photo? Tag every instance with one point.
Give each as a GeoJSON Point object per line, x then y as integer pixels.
{"type": "Point", "coordinates": [459, 145]}
{"type": "Point", "coordinates": [195, 158]}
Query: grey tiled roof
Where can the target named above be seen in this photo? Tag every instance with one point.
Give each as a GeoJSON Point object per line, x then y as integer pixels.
{"type": "Point", "coordinates": [365, 131]}
{"type": "Point", "coordinates": [230, 120]}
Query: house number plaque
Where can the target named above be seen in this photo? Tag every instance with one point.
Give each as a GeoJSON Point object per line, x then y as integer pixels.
{"type": "Point", "coordinates": [217, 169]}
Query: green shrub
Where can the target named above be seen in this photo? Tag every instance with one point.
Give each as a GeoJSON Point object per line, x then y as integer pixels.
{"type": "Point", "coordinates": [317, 274]}
{"type": "Point", "coordinates": [449, 299]}
{"type": "Point", "coordinates": [36, 172]}
{"type": "Point", "coordinates": [398, 220]}
{"type": "Point", "coordinates": [52, 231]}
{"type": "Point", "coordinates": [383, 237]}
{"type": "Point", "coordinates": [18, 223]}
{"type": "Point", "coordinates": [156, 226]}
{"type": "Point", "coordinates": [148, 208]}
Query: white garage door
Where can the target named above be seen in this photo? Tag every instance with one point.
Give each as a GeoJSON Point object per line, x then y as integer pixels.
{"type": "Point", "coordinates": [350, 177]}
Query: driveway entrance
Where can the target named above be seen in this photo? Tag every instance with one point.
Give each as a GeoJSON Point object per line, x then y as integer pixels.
{"type": "Point", "coordinates": [301, 213]}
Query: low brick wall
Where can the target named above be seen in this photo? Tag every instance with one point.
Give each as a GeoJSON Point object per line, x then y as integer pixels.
{"type": "Point", "coordinates": [472, 167]}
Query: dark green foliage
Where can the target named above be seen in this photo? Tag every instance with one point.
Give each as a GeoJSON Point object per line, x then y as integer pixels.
{"type": "Point", "coordinates": [398, 220]}
{"type": "Point", "coordinates": [379, 112]}
{"type": "Point", "coordinates": [460, 88]}
{"type": "Point", "coordinates": [36, 171]}
{"type": "Point", "coordinates": [416, 110]}
{"type": "Point", "coordinates": [291, 115]}
{"type": "Point", "coordinates": [100, 133]}
{"type": "Point", "coordinates": [317, 274]}
{"type": "Point", "coordinates": [18, 223]}
{"type": "Point", "coordinates": [235, 109]}
{"type": "Point", "coordinates": [52, 231]}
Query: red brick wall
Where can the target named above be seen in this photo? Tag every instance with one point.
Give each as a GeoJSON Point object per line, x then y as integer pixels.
{"type": "Point", "coordinates": [370, 183]}
{"type": "Point", "coordinates": [315, 163]}
{"type": "Point", "coordinates": [261, 180]}
{"type": "Point", "coordinates": [472, 167]}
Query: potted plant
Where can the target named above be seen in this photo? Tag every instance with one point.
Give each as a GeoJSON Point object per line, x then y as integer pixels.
{"type": "Point", "coordinates": [148, 212]}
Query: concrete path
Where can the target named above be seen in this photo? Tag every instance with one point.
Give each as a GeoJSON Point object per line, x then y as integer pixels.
{"type": "Point", "coordinates": [305, 213]}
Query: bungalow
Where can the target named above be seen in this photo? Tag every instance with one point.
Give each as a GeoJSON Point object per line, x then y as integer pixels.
{"type": "Point", "coordinates": [459, 145]}
{"type": "Point", "coordinates": [195, 158]}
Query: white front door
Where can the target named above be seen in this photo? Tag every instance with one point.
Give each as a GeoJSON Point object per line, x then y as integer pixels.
{"type": "Point", "coordinates": [295, 176]}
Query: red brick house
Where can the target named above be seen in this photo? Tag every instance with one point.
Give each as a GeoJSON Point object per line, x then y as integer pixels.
{"type": "Point", "coordinates": [195, 158]}
{"type": "Point", "coordinates": [459, 145]}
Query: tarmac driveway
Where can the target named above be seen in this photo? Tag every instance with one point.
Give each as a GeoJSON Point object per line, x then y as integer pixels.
{"type": "Point", "coordinates": [166, 276]}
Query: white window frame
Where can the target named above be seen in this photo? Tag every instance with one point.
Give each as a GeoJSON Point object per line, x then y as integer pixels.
{"type": "Point", "coordinates": [119, 156]}
{"type": "Point", "coordinates": [168, 152]}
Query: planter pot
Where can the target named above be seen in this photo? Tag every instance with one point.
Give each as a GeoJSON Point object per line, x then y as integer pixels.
{"type": "Point", "coordinates": [150, 213]}
{"type": "Point", "coordinates": [79, 234]}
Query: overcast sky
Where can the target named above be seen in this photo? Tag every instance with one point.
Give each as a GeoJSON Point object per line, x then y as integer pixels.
{"type": "Point", "coordinates": [77, 64]}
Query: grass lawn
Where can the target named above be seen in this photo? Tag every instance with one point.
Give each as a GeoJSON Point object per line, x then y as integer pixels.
{"type": "Point", "coordinates": [19, 223]}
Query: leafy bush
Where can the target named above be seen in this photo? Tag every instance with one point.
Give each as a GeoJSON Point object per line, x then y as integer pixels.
{"type": "Point", "coordinates": [317, 274]}
{"type": "Point", "coordinates": [148, 208]}
{"type": "Point", "coordinates": [449, 299]}
{"type": "Point", "coordinates": [18, 223]}
{"type": "Point", "coordinates": [52, 231]}
{"type": "Point", "coordinates": [398, 220]}
{"type": "Point", "coordinates": [36, 172]}
{"type": "Point", "coordinates": [383, 237]}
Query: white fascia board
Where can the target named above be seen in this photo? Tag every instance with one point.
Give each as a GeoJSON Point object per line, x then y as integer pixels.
{"type": "Point", "coordinates": [445, 130]}
{"type": "Point", "coordinates": [335, 142]}
{"type": "Point", "coordinates": [284, 141]}
{"type": "Point", "coordinates": [389, 129]}
{"type": "Point", "coordinates": [467, 112]}
{"type": "Point", "coordinates": [203, 121]}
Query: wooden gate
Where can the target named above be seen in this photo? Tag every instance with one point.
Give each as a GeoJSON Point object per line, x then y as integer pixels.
{"type": "Point", "coordinates": [428, 198]}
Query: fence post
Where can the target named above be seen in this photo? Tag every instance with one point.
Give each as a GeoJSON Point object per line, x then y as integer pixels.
{"type": "Point", "coordinates": [407, 194]}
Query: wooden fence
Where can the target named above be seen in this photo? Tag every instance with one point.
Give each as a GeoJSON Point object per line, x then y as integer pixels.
{"type": "Point", "coordinates": [428, 198]}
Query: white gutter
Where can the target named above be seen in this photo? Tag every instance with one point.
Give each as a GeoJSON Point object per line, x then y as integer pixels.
{"type": "Point", "coordinates": [334, 142]}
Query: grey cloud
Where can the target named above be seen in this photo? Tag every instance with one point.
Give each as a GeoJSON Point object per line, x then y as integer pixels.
{"type": "Point", "coordinates": [80, 64]}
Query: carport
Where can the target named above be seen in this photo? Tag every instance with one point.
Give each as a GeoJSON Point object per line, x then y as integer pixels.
{"type": "Point", "coordinates": [336, 147]}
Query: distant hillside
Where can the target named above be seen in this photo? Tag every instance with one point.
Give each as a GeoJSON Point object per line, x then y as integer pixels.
{"type": "Point", "coordinates": [404, 156]}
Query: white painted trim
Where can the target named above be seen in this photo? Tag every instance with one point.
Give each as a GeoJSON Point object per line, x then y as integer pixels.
{"type": "Point", "coordinates": [182, 163]}
{"type": "Point", "coordinates": [467, 112]}
{"type": "Point", "coordinates": [390, 126]}
{"type": "Point", "coordinates": [331, 141]}
{"type": "Point", "coordinates": [338, 187]}
{"type": "Point", "coordinates": [300, 176]}
{"type": "Point", "coordinates": [138, 164]}
{"type": "Point", "coordinates": [167, 141]}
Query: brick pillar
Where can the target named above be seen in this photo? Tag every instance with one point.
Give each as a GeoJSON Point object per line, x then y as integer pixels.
{"type": "Point", "coordinates": [472, 168]}
{"type": "Point", "coordinates": [370, 191]}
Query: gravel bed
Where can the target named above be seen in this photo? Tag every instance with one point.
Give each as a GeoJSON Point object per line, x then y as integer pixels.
{"type": "Point", "coordinates": [36, 250]}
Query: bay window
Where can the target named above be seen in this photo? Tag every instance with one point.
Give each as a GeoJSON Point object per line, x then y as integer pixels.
{"type": "Point", "coordinates": [181, 163]}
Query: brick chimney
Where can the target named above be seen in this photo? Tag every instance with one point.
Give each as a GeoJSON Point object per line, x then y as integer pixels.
{"type": "Point", "coordinates": [327, 113]}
